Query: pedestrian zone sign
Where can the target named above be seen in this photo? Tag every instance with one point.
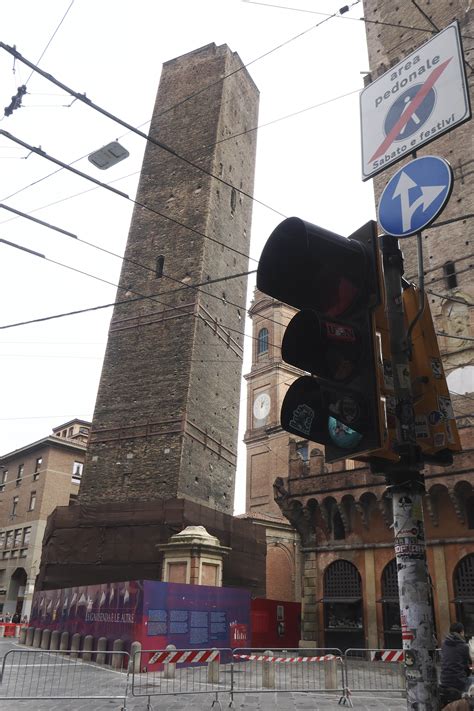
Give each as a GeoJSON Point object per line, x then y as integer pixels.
{"type": "Point", "coordinates": [415, 102]}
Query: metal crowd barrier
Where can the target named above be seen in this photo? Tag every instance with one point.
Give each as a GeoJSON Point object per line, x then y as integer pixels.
{"type": "Point", "coordinates": [374, 670]}
{"type": "Point", "coordinates": [303, 670]}
{"type": "Point", "coordinates": [46, 674]}
{"type": "Point", "coordinates": [39, 674]}
{"type": "Point", "coordinates": [181, 671]}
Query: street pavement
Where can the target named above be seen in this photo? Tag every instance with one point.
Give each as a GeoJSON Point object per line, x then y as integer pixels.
{"type": "Point", "coordinates": [16, 673]}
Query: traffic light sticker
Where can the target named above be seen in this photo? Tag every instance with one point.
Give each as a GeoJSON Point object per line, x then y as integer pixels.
{"type": "Point", "coordinates": [437, 368]}
{"type": "Point", "coordinates": [445, 407]}
{"type": "Point", "coordinates": [421, 427]}
{"type": "Point", "coordinates": [302, 419]}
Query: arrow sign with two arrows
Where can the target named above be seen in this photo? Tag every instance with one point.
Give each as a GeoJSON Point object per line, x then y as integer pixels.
{"type": "Point", "coordinates": [415, 196]}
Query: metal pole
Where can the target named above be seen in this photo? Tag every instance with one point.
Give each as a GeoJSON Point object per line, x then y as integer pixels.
{"type": "Point", "coordinates": [406, 486]}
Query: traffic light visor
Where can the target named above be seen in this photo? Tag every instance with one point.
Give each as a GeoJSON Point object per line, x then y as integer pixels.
{"type": "Point", "coordinates": [307, 266]}
{"type": "Point", "coordinates": [328, 349]}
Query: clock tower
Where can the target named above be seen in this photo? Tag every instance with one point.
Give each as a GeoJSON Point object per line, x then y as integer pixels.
{"type": "Point", "coordinates": [268, 446]}
{"type": "Point", "coordinates": [268, 381]}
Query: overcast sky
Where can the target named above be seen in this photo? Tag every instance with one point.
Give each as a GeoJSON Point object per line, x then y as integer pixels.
{"type": "Point", "coordinates": [307, 165]}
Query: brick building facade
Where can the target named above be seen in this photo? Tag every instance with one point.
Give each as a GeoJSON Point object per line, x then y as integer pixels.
{"type": "Point", "coordinates": [341, 511]}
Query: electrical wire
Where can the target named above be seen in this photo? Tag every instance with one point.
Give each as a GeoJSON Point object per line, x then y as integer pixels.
{"type": "Point", "coordinates": [222, 140]}
{"type": "Point", "coordinates": [257, 59]}
{"type": "Point", "coordinates": [127, 288]}
{"type": "Point", "coordinates": [460, 271]}
{"type": "Point", "coordinates": [441, 266]}
{"type": "Point", "coordinates": [184, 308]}
{"type": "Point", "coordinates": [184, 286]}
{"type": "Point", "coordinates": [43, 154]}
{"type": "Point", "coordinates": [445, 297]}
{"type": "Point", "coordinates": [85, 100]}
{"type": "Point", "coordinates": [342, 17]}
{"type": "Point", "coordinates": [50, 40]}
{"type": "Point", "coordinates": [435, 27]}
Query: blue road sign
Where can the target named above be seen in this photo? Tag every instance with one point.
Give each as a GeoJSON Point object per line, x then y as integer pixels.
{"type": "Point", "coordinates": [417, 118]}
{"type": "Point", "coordinates": [415, 195]}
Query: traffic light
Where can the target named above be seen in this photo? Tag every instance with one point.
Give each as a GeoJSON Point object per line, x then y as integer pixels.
{"type": "Point", "coordinates": [435, 424]}
{"type": "Point", "coordinates": [336, 285]}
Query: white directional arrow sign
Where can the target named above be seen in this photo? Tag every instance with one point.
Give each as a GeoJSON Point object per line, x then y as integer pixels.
{"type": "Point", "coordinates": [429, 193]}
{"type": "Point", "coordinates": [415, 196]}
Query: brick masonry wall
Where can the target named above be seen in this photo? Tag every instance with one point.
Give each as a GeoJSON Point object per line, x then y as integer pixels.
{"type": "Point", "coordinates": [166, 415]}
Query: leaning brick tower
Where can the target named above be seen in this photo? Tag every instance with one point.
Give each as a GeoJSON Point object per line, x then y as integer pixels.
{"type": "Point", "coordinates": [162, 452]}
{"type": "Point", "coordinates": [166, 416]}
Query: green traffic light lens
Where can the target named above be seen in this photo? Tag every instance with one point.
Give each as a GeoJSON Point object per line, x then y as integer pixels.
{"type": "Point", "coordinates": [342, 435]}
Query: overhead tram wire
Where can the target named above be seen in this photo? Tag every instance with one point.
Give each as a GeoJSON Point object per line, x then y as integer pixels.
{"type": "Point", "coordinates": [171, 307]}
{"type": "Point", "coordinates": [342, 17]}
{"type": "Point", "coordinates": [365, 20]}
{"type": "Point", "coordinates": [184, 285]}
{"type": "Point", "coordinates": [257, 59]}
{"type": "Point", "coordinates": [50, 40]}
{"type": "Point", "coordinates": [446, 297]}
{"type": "Point", "coordinates": [43, 154]}
{"type": "Point", "coordinates": [239, 307]}
{"type": "Point", "coordinates": [152, 297]}
{"type": "Point", "coordinates": [83, 98]}
{"type": "Point", "coordinates": [139, 297]}
{"type": "Point", "coordinates": [222, 140]}
{"type": "Point", "coordinates": [106, 186]}
{"type": "Point", "coordinates": [435, 27]}
{"type": "Point", "coordinates": [88, 102]}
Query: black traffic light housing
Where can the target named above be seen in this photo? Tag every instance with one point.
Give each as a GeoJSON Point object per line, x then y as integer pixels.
{"type": "Point", "coordinates": [335, 282]}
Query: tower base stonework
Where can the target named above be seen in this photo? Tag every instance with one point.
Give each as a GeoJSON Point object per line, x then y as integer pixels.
{"type": "Point", "coordinates": [111, 542]}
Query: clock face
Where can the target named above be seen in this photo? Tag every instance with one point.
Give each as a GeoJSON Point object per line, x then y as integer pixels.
{"type": "Point", "coordinates": [261, 406]}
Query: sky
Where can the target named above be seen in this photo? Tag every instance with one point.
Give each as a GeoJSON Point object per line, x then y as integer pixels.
{"type": "Point", "coordinates": [309, 69]}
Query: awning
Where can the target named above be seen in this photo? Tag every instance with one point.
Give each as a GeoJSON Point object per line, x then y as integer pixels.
{"type": "Point", "coordinates": [388, 599]}
{"type": "Point", "coordinates": [464, 598]}
{"type": "Point", "coordinates": [340, 599]}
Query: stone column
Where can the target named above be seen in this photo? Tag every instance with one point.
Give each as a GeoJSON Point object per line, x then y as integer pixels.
{"type": "Point", "coordinates": [309, 616]}
{"type": "Point", "coordinates": [370, 600]}
{"type": "Point", "coordinates": [441, 583]}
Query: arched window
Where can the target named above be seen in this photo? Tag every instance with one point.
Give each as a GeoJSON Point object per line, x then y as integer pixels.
{"type": "Point", "coordinates": [338, 526]}
{"type": "Point", "coordinates": [464, 593]}
{"type": "Point", "coordinates": [262, 341]}
{"type": "Point", "coordinates": [449, 269]}
{"type": "Point", "coordinates": [470, 512]}
{"type": "Point", "coordinates": [343, 622]}
{"type": "Point", "coordinates": [392, 630]}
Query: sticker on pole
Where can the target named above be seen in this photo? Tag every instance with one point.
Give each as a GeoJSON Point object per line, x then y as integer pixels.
{"type": "Point", "coordinates": [415, 102]}
{"type": "Point", "coordinates": [414, 197]}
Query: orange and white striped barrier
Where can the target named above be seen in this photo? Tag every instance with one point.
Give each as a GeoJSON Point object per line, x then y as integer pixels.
{"type": "Point", "coordinates": [10, 629]}
{"type": "Point", "coordinates": [266, 658]}
{"type": "Point", "coordinates": [388, 655]}
{"type": "Point", "coordinates": [192, 656]}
